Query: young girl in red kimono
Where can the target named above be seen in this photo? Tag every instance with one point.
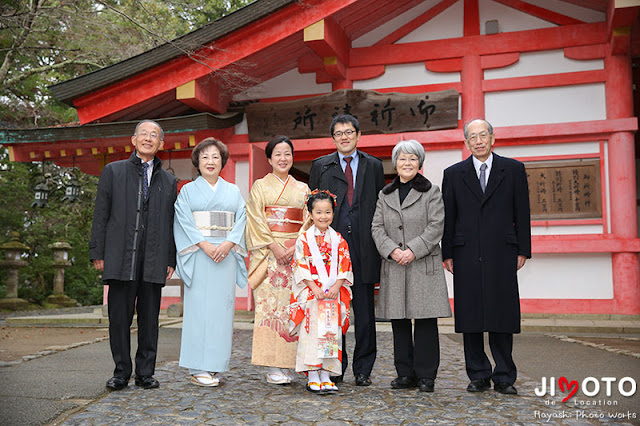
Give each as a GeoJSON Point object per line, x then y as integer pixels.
{"type": "Point", "coordinates": [320, 295]}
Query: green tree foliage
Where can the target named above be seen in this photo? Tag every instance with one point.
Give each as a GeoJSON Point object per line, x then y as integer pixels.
{"type": "Point", "coordinates": [40, 227]}
{"type": "Point", "coordinates": [43, 42]}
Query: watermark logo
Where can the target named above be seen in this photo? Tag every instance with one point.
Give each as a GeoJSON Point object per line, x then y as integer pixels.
{"type": "Point", "coordinates": [590, 386]}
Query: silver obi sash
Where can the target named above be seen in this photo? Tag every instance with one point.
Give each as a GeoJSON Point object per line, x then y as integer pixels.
{"type": "Point", "coordinates": [214, 224]}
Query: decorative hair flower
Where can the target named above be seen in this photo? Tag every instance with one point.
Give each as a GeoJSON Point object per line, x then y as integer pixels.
{"type": "Point", "coordinates": [315, 192]}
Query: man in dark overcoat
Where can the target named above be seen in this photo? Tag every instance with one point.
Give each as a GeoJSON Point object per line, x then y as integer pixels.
{"type": "Point", "coordinates": [132, 244]}
{"type": "Point", "coordinates": [355, 178]}
{"type": "Point", "coordinates": [487, 238]}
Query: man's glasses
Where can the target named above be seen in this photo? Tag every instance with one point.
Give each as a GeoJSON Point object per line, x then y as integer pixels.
{"type": "Point", "coordinates": [482, 135]}
{"type": "Point", "coordinates": [152, 135]}
{"type": "Point", "coordinates": [339, 134]}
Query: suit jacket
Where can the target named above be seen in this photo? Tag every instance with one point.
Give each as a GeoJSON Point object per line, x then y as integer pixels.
{"type": "Point", "coordinates": [326, 173]}
{"type": "Point", "coordinates": [484, 233]}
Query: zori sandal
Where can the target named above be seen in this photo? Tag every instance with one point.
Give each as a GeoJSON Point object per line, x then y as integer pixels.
{"type": "Point", "coordinates": [329, 387]}
{"type": "Point", "coordinates": [314, 387]}
{"type": "Point", "coordinates": [204, 379]}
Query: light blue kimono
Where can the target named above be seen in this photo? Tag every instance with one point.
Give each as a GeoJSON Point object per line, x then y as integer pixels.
{"type": "Point", "coordinates": [209, 293]}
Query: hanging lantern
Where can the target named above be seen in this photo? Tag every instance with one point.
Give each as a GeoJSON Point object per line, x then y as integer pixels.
{"type": "Point", "coordinates": [41, 195]}
{"type": "Point", "coordinates": [72, 191]}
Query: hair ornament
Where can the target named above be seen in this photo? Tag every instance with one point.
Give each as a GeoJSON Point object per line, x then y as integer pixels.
{"type": "Point", "coordinates": [324, 191]}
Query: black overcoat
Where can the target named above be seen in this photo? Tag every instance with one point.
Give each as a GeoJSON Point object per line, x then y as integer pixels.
{"type": "Point", "coordinates": [117, 232]}
{"type": "Point", "coordinates": [484, 234]}
{"type": "Point", "coordinates": [326, 173]}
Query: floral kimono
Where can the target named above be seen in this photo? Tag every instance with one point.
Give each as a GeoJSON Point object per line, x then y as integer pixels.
{"type": "Point", "coordinates": [329, 251]}
{"type": "Point", "coordinates": [275, 213]}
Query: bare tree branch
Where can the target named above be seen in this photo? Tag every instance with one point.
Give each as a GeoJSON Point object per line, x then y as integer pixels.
{"type": "Point", "coordinates": [28, 73]}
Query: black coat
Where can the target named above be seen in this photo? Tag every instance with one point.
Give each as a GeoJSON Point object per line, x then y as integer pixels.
{"type": "Point", "coordinates": [484, 234]}
{"type": "Point", "coordinates": [326, 173]}
{"type": "Point", "coordinates": [117, 235]}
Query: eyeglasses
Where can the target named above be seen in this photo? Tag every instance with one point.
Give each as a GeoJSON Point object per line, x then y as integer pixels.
{"type": "Point", "coordinates": [152, 135]}
{"type": "Point", "coordinates": [482, 135]}
{"type": "Point", "coordinates": [339, 134]}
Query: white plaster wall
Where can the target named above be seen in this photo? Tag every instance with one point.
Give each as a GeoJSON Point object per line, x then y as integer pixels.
{"type": "Point", "coordinates": [436, 161]}
{"type": "Point", "coordinates": [541, 63]}
{"type": "Point", "coordinates": [242, 178]}
{"type": "Point", "coordinates": [509, 19]}
{"type": "Point", "coordinates": [585, 102]}
{"type": "Point", "coordinates": [290, 83]}
{"type": "Point", "coordinates": [242, 127]}
{"type": "Point", "coordinates": [567, 276]}
{"type": "Point", "coordinates": [571, 10]}
{"type": "Point", "coordinates": [605, 175]}
{"type": "Point", "coordinates": [406, 75]}
{"type": "Point", "coordinates": [171, 290]}
{"type": "Point", "coordinates": [448, 24]}
{"type": "Point", "coordinates": [372, 37]}
{"type": "Point", "coordinates": [566, 229]}
{"type": "Point", "coordinates": [182, 168]}
{"type": "Point", "coordinates": [575, 148]}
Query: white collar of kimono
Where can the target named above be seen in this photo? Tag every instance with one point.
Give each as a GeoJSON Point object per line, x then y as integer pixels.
{"type": "Point", "coordinates": [214, 186]}
{"type": "Point", "coordinates": [326, 281]}
{"type": "Point", "coordinates": [284, 182]}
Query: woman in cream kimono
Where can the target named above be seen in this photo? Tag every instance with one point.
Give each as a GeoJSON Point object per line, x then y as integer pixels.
{"type": "Point", "coordinates": [275, 214]}
{"type": "Point", "coordinates": [208, 228]}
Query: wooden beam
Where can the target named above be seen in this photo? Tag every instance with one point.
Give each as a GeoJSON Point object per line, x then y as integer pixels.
{"type": "Point", "coordinates": [203, 95]}
{"type": "Point", "coordinates": [518, 41]}
{"type": "Point", "coordinates": [328, 39]}
{"type": "Point", "coordinates": [584, 53]}
{"type": "Point", "coordinates": [539, 12]}
{"type": "Point", "coordinates": [546, 80]}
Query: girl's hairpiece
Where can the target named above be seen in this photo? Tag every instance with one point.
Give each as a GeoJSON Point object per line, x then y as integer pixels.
{"type": "Point", "coordinates": [324, 191]}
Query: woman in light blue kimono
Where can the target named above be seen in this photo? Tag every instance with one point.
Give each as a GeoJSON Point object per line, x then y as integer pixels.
{"type": "Point", "coordinates": [209, 233]}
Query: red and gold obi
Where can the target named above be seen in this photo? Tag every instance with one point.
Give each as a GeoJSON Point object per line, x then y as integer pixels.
{"type": "Point", "coordinates": [284, 219]}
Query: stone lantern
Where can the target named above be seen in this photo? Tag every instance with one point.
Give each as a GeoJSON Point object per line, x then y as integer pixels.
{"type": "Point", "coordinates": [41, 195]}
{"type": "Point", "coordinates": [72, 191]}
{"type": "Point", "coordinates": [60, 261]}
{"type": "Point", "coordinates": [13, 251]}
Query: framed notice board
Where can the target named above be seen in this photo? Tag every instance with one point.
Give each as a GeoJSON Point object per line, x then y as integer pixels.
{"type": "Point", "coordinates": [565, 189]}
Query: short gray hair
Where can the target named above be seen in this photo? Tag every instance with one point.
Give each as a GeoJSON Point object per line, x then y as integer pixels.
{"type": "Point", "coordinates": [408, 147]}
{"type": "Point", "coordinates": [466, 126]}
{"type": "Point", "coordinates": [152, 122]}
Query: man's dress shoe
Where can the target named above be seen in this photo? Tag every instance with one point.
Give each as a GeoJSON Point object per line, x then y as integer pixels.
{"type": "Point", "coordinates": [362, 380]}
{"type": "Point", "coordinates": [117, 383]}
{"type": "Point", "coordinates": [147, 382]}
{"type": "Point", "coordinates": [505, 388]}
{"type": "Point", "coordinates": [425, 385]}
{"type": "Point", "coordinates": [404, 382]}
{"type": "Point", "coordinates": [479, 385]}
{"type": "Point", "coordinates": [336, 379]}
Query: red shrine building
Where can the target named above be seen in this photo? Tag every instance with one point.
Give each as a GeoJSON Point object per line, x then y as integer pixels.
{"type": "Point", "coordinates": [554, 77]}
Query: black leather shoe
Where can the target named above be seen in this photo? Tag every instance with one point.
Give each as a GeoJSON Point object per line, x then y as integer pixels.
{"type": "Point", "coordinates": [362, 380]}
{"type": "Point", "coordinates": [505, 388]}
{"type": "Point", "coordinates": [147, 382]}
{"type": "Point", "coordinates": [337, 379]}
{"type": "Point", "coordinates": [117, 383]}
{"type": "Point", "coordinates": [479, 385]}
{"type": "Point", "coordinates": [404, 382]}
{"type": "Point", "coordinates": [425, 385]}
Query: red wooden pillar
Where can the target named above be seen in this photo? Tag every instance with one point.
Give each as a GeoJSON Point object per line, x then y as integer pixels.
{"type": "Point", "coordinates": [472, 95]}
{"type": "Point", "coordinates": [622, 184]}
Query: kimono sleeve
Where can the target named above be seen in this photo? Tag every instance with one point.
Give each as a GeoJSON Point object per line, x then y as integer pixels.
{"type": "Point", "coordinates": [258, 234]}
{"type": "Point", "coordinates": [344, 262]}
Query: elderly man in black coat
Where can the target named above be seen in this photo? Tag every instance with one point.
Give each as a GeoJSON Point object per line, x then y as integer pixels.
{"type": "Point", "coordinates": [355, 178]}
{"type": "Point", "coordinates": [132, 244]}
{"type": "Point", "coordinates": [487, 238]}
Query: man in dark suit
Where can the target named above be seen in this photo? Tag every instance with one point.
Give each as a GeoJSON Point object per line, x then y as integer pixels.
{"type": "Point", "coordinates": [132, 244]}
{"type": "Point", "coordinates": [356, 178]}
{"type": "Point", "coordinates": [487, 238]}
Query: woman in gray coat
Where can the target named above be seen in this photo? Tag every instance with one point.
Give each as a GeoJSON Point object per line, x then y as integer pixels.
{"type": "Point", "coordinates": [407, 228]}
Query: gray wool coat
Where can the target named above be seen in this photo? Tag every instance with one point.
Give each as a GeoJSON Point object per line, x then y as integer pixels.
{"type": "Point", "coordinates": [419, 289]}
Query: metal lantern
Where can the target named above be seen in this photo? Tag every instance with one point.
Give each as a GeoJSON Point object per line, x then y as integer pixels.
{"type": "Point", "coordinates": [72, 191]}
{"type": "Point", "coordinates": [41, 195]}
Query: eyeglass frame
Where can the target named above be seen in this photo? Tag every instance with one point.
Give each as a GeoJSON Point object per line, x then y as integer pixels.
{"type": "Point", "coordinates": [484, 136]}
{"type": "Point", "coordinates": [347, 132]}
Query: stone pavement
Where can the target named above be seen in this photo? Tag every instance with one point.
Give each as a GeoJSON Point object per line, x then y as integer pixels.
{"type": "Point", "coordinates": [244, 397]}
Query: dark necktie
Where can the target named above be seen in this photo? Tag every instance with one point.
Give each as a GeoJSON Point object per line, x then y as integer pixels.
{"type": "Point", "coordinates": [483, 176]}
{"type": "Point", "coordinates": [348, 173]}
{"type": "Point", "coordinates": [145, 181]}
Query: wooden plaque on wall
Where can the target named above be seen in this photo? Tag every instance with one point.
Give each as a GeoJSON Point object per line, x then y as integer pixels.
{"type": "Point", "coordinates": [564, 189]}
{"type": "Point", "coordinates": [376, 113]}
